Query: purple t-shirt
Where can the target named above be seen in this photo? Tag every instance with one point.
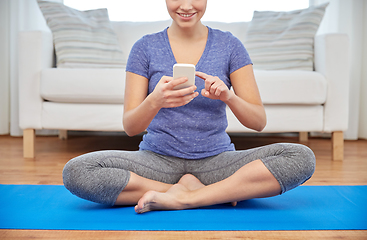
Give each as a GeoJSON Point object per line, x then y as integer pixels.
{"type": "Point", "coordinates": [195, 130]}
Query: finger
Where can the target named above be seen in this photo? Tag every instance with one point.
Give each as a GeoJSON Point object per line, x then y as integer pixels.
{"type": "Point", "coordinates": [175, 97]}
{"type": "Point", "coordinates": [183, 91]}
{"type": "Point", "coordinates": [180, 101]}
{"type": "Point", "coordinates": [218, 89]}
{"type": "Point", "coordinates": [165, 79]}
{"type": "Point", "coordinates": [208, 83]}
{"type": "Point", "coordinates": [175, 82]}
{"type": "Point", "coordinates": [205, 93]}
{"type": "Point", "coordinates": [215, 87]}
{"type": "Point", "coordinates": [190, 97]}
{"type": "Point", "coordinates": [209, 80]}
{"type": "Point", "coordinates": [202, 75]}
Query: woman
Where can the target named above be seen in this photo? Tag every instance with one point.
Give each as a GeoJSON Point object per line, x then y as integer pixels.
{"type": "Point", "coordinates": [186, 159]}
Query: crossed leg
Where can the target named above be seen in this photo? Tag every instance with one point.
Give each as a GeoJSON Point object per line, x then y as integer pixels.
{"type": "Point", "coordinates": [253, 180]}
{"type": "Point", "coordinates": [101, 176]}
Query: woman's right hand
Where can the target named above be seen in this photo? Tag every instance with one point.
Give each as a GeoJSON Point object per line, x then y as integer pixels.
{"type": "Point", "coordinates": [164, 96]}
{"type": "Point", "coordinates": [140, 109]}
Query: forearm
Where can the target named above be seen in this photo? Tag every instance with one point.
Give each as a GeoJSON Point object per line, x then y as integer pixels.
{"type": "Point", "coordinates": [138, 119]}
{"type": "Point", "coordinates": [244, 101]}
{"type": "Point", "coordinates": [249, 114]}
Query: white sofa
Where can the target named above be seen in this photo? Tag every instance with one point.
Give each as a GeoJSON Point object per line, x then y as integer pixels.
{"type": "Point", "coordinates": [92, 99]}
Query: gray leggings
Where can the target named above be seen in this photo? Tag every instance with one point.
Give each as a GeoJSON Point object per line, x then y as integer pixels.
{"type": "Point", "coordinates": [101, 176]}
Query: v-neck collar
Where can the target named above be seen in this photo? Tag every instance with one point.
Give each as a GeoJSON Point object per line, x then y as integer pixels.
{"type": "Point", "coordinates": [203, 55]}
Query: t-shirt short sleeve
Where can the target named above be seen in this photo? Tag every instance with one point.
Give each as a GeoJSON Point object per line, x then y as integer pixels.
{"type": "Point", "coordinates": [239, 55]}
{"type": "Point", "coordinates": [138, 61]}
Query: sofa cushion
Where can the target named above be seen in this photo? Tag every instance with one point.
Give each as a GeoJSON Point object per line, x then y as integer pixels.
{"type": "Point", "coordinates": [107, 86]}
{"type": "Point", "coordinates": [291, 87]}
{"type": "Point", "coordinates": [82, 116]}
{"type": "Point", "coordinates": [238, 29]}
{"type": "Point", "coordinates": [283, 40]}
{"type": "Point", "coordinates": [83, 85]}
{"type": "Point", "coordinates": [130, 32]}
{"type": "Point", "coordinates": [83, 39]}
{"type": "Point", "coordinates": [285, 118]}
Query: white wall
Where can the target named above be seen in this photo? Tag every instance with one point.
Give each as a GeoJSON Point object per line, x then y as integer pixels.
{"type": "Point", "coordinates": [349, 16]}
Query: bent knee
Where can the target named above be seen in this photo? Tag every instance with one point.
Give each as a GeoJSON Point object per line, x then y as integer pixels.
{"type": "Point", "coordinates": [295, 165]}
{"type": "Point", "coordinates": [93, 179]}
{"type": "Point", "coordinates": [78, 178]}
{"type": "Point", "coordinates": [304, 164]}
{"type": "Point", "coordinates": [307, 160]}
{"type": "Point", "coordinates": [71, 174]}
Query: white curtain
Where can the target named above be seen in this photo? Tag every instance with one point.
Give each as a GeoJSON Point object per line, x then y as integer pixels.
{"type": "Point", "coordinates": [15, 16]}
{"type": "Point", "coordinates": [350, 17]}
{"type": "Point", "coordinates": [4, 68]}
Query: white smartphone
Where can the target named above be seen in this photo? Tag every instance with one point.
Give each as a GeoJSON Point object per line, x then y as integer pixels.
{"type": "Point", "coordinates": [184, 70]}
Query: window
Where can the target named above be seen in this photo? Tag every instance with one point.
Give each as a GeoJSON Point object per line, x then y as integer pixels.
{"type": "Point", "coordinates": [155, 10]}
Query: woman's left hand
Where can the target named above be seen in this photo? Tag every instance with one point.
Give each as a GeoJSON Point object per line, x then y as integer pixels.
{"type": "Point", "coordinates": [214, 88]}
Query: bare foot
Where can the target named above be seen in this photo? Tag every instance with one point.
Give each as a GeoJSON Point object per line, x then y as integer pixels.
{"type": "Point", "coordinates": [173, 199]}
{"type": "Point", "coordinates": [170, 200]}
{"type": "Point", "coordinates": [192, 183]}
{"type": "Point", "coordinates": [176, 198]}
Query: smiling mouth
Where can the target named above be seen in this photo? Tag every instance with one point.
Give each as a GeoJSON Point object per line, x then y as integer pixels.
{"type": "Point", "coordinates": [186, 15]}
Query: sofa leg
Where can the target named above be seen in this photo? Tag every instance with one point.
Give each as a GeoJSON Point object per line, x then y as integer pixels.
{"type": "Point", "coordinates": [338, 145]}
{"type": "Point", "coordinates": [63, 134]}
{"type": "Point", "coordinates": [303, 136]}
{"type": "Point", "coordinates": [28, 143]}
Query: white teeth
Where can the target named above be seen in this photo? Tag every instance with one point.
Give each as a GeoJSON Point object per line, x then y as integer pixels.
{"type": "Point", "coordinates": [186, 15]}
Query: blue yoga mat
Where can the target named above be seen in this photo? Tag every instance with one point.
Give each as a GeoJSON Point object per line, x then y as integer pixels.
{"type": "Point", "coordinates": [304, 208]}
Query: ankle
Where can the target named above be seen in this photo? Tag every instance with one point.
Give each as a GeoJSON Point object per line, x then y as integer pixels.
{"type": "Point", "coordinates": [189, 200]}
{"type": "Point", "coordinates": [183, 196]}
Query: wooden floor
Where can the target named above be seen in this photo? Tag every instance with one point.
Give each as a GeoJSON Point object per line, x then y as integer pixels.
{"type": "Point", "coordinates": [52, 154]}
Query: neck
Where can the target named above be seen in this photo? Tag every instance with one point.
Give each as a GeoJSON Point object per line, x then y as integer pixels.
{"type": "Point", "coordinates": [189, 33]}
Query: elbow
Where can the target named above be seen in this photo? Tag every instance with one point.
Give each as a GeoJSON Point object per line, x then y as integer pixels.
{"type": "Point", "coordinates": [261, 124]}
{"type": "Point", "coordinates": [128, 129]}
{"type": "Point", "coordinates": [261, 127]}
{"type": "Point", "coordinates": [130, 134]}
{"type": "Point", "coordinates": [258, 121]}
{"type": "Point", "coordinates": [256, 126]}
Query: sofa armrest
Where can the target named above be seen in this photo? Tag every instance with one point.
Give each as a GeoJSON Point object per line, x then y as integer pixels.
{"type": "Point", "coordinates": [332, 60]}
{"type": "Point", "coordinates": [35, 52]}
